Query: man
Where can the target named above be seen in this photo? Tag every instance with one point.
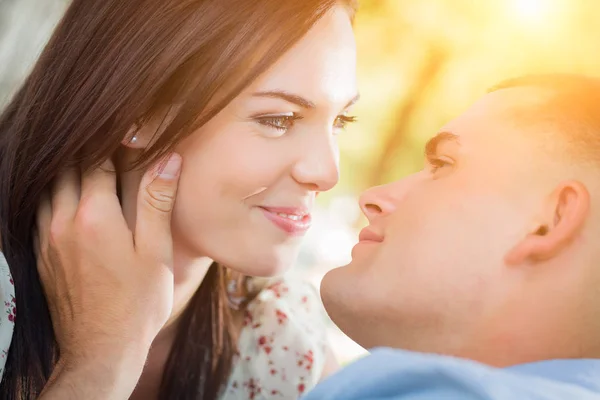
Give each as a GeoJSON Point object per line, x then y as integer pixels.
{"type": "Point", "coordinates": [484, 267]}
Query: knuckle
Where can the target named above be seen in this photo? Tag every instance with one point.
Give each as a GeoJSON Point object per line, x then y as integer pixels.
{"type": "Point", "coordinates": [161, 200]}
{"type": "Point", "coordinates": [88, 219]}
{"type": "Point", "coordinates": [58, 231]}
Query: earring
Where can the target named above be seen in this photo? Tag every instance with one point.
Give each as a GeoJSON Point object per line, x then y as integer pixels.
{"type": "Point", "coordinates": [133, 139]}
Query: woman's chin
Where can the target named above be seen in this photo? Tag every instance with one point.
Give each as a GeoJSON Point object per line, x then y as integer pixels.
{"type": "Point", "coordinates": [268, 265]}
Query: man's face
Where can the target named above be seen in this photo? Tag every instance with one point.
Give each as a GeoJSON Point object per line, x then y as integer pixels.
{"type": "Point", "coordinates": [433, 272]}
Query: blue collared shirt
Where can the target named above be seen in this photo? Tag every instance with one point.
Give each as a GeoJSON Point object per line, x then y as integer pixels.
{"type": "Point", "coordinates": [388, 374]}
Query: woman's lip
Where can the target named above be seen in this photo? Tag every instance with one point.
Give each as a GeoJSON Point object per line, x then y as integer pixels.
{"type": "Point", "coordinates": [289, 226]}
{"type": "Point", "coordinates": [288, 210]}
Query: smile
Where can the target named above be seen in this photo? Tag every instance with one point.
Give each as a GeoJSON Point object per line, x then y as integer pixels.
{"type": "Point", "coordinates": [293, 217]}
{"type": "Point", "coordinates": [291, 221]}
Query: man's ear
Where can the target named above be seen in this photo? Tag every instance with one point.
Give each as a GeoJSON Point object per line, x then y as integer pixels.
{"type": "Point", "coordinates": [563, 216]}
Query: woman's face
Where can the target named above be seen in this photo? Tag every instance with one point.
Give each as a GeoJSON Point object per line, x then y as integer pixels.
{"type": "Point", "coordinates": [250, 175]}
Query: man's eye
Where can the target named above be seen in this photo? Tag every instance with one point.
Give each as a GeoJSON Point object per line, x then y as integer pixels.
{"type": "Point", "coordinates": [436, 164]}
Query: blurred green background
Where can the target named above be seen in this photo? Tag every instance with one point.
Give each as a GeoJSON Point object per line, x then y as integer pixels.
{"type": "Point", "coordinates": [421, 62]}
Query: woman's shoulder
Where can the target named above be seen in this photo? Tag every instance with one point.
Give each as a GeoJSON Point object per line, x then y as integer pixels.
{"type": "Point", "coordinates": [7, 311]}
{"type": "Point", "coordinates": [282, 345]}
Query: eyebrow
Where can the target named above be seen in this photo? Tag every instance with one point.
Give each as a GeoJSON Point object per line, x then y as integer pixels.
{"type": "Point", "coordinates": [296, 99]}
{"type": "Point", "coordinates": [434, 142]}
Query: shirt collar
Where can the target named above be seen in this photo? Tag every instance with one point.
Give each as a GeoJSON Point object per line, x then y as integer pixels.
{"type": "Point", "coordinates": [581, 372]}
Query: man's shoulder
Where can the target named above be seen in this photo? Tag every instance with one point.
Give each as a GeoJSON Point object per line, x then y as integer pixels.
{"type": "Point", "coordinates": [401, 375]}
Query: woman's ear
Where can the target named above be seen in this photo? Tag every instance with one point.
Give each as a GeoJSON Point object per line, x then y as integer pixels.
{"type": "Point", "coordinates": [563, 217]}
{"type": "Point", "coordinates": [134, 138]}
{"type": "Point", "coordinates": [147, 130]}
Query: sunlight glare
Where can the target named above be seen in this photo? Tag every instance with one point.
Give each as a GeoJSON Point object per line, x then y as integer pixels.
{"type": "Point", "coordinates": [532, 10]}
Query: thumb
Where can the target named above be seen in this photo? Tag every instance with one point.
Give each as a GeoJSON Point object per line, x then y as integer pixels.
{"type": "Point", "coordinates": [156, 199]}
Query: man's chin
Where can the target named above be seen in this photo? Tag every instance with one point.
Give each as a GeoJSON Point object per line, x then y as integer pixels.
{"type": "Point", "coordinates": [364, 250]}
{"type": "Point", "coordinates": [338, 304]}
{"type": "Point", "coordinates": [336, 293]}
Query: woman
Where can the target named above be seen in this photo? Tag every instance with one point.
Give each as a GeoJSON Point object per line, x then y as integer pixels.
{"type": "Point", "coordinates": [251, 94]}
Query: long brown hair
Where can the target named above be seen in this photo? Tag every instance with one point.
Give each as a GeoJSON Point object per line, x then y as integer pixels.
{"type": "Point", "coordinates": [109, 65]}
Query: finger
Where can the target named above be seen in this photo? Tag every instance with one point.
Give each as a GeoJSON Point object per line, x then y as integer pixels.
{"type": "Point", "coordinates": [65, 194]}
{"type": "Point", "coordinates": [100, 180]}
{"type": "Point", "coordinates": [156, 198]}
{"type": "Point", "coordinates": [41, 235]}
{"type": "Point", "coordinates": [41, 264]}
{"type": "Point", "coordinates": [43, 221]}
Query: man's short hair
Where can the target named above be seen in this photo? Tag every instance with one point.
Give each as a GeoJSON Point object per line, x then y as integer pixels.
{"type": "Point", "coordinates": [571, 112]}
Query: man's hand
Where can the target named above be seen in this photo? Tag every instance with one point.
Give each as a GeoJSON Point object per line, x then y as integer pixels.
{"type": "Point", "coordinates": [109, 290]}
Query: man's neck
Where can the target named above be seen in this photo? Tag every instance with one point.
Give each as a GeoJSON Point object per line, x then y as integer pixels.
{"type": "Point", "coordinates": [537, 331]}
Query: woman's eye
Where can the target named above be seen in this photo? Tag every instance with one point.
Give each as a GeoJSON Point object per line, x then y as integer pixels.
{"type": "Point", "coordinates": [342, 121]}
{"type": "Point", "coordinates": [281, 123]}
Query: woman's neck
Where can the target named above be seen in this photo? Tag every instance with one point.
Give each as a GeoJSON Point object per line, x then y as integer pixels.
{"type": "Point", "coordinates": [189, 271]}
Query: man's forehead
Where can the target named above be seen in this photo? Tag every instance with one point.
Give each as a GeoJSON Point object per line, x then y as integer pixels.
{"type": "Point", "coordinates": [496, 116]}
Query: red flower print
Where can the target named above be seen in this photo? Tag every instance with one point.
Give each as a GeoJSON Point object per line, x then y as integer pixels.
{"type": "Point", "coordinates": [247, 318]}
{"type": "Point", "coordinates": [309, 357]}
{"type": "Point", "coordinates": [265, 343]}
{"type": "Point", "coordinates": [281, 316]}
{"type": "Point", "coordinates": [253, 387]}
{"type": "Point", "coordinates": [11, 310]}
{"type": "Point", "coordinates": [279, 289]}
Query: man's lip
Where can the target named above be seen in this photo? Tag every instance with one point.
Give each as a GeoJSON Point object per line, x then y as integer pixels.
{"type": "Point", "coordinates": [368, 235]}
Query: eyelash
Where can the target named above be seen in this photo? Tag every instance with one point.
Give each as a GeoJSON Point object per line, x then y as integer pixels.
{"type": "Point", "coordinates": [276, 121]}
{"type": "Point", "coordinates": [271, 121]}
{"type": "Point", "coordinates": [437, 163]}
{"type": "Point", "coordinates": [344, 120]}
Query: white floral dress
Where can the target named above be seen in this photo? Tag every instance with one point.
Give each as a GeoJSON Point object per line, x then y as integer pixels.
{"type": "Point", "coordinates": [8, 311]}
{"type": "Point", "coordinates": [282, 345]}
